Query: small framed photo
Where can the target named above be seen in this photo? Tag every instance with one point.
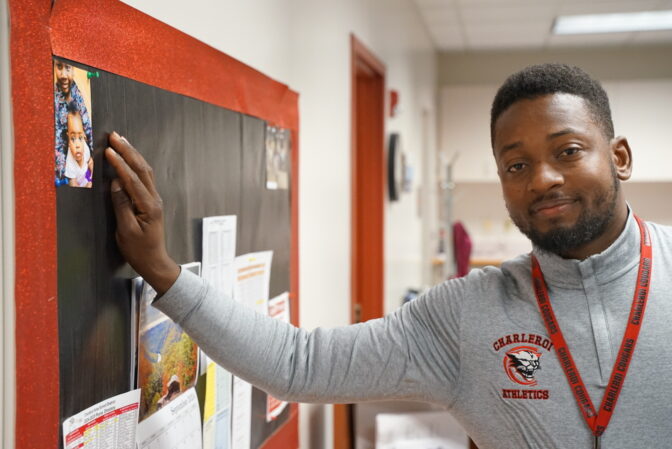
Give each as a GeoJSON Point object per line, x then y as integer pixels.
{"type": "Point", "coordinates": [278, 158]}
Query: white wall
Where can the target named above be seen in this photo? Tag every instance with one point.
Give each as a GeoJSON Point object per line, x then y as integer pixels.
{"type": "Point", "coordinates": [306, 45]}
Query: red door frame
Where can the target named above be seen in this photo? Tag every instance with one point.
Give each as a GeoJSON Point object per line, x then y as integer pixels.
{"type": "Point", "coordinates": [368, 203]}
{"type": "Point", "coordinates": [367, 183]}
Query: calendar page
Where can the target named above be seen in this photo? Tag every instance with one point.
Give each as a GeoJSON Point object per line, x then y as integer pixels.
{"type": "Point", "coordinates": [175, 426]}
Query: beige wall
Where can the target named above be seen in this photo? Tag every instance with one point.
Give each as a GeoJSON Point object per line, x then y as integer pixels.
{"type": "Point", "coordinates": [493, 67]}
{"type": "Point", "coordinates": [306, 44]}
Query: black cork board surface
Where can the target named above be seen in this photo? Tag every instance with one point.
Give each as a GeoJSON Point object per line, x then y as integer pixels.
{"type": "Point", "coordinates": [207, 161]}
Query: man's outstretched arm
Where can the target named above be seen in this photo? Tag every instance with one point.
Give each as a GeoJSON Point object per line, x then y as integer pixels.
{"type": "Point", "coordinates": [410, 354]}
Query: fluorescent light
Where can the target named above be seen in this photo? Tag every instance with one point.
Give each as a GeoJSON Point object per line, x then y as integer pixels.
{"type": "Point", "coordinates": [613, 23]}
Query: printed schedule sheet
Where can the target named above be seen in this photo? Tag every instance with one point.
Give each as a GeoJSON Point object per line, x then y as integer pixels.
{"type": "Point", "coordinates": [110, 423]}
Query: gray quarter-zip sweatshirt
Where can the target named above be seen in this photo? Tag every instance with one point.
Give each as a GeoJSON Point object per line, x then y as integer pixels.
{"type": "Point", "coordinates": [476, 345]}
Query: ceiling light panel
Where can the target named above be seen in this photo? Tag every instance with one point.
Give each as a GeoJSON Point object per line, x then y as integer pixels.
{"type": "Point", "coordinates": [614, 22]}
{"type": "Point", "coordinates": [577, 7]}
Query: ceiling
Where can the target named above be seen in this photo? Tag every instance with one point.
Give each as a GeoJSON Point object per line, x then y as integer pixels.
{"type": "Point", "coordinates": [461, 25]}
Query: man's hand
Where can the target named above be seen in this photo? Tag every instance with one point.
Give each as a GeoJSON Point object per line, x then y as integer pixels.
{"type": "Point", "coordinates": [139, 212]}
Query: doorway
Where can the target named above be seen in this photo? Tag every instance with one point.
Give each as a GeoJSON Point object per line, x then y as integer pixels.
{"type": "Point", "coordinates": [368, 183]}
{"type": "Point", "coordinates": [368, 204]}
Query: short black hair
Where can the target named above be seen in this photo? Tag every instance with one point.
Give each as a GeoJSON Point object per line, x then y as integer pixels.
{"type": "Point", "coordinates": [546, 79]}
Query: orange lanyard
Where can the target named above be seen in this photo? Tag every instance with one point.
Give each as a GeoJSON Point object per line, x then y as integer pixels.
{"type": "Point", "coordinates": [598, 422]}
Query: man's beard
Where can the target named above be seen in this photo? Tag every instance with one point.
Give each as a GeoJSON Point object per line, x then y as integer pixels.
{"type": "Point", "coordinates": [592, 223]}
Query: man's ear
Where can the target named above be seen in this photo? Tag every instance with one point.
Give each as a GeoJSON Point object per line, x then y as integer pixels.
{"type": "Point", "coordinates": [621, 157]}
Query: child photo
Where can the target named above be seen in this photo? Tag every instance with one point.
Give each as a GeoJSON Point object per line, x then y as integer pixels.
{"type": "Point", "coordinates": [72, 126]}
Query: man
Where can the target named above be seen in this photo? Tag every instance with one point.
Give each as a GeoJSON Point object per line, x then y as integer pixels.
{"type": "Point", "coordinates": [487, 346]}
{"type": "Point", "coordinates": [65, 93]}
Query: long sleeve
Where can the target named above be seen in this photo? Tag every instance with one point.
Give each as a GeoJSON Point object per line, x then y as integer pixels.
{"type": "Point", "coordinates": [411, 354]}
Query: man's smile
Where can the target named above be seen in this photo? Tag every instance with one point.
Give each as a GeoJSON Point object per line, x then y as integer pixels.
{"type": "Point", "coordinates": [552, 207]}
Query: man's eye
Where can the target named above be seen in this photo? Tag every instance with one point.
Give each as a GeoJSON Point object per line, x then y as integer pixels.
{"type": "Point", "coordinates": [513, 168]}
{"type": "Point", "coordinates": [570, 151]}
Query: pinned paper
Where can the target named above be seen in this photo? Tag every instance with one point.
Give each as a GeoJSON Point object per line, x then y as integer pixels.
{"type": "Point", "coordinates": [217, 408]}
{"type": "Point", "coordinates": [167, 356]}
{"type": "Point", "coordinates": [175, 426]}
{"type": "Point", "coordinates": [110, 423]}
{"type": "Point", "coordinates": [253, 277]}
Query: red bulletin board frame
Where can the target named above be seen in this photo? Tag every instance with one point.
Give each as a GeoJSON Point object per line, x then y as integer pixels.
{"type": "Point", "coordinates": [114, 37]}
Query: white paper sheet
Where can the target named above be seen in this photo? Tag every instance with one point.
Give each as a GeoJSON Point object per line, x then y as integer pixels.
{"type": "Point", "coordinates": [219, 254]}
{"type": "Point", "coordinates": [241, 420]}
{"type": "Point", "coordinates": [278, 308]}
{"type": "Point", "coordinates": [217, 408]}
{"type": "Point", "coordinates": [420, 430]}
{"type": "Point", "coordinates": [219, 251]}
{"type": "Point", "coordinates": [110, 423]}
{"type": "Point", "coordinates": [253, 276]}
{"type": "Point", "coordinates": [177, 425]}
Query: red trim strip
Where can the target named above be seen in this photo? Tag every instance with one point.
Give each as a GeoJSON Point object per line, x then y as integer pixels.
{"type": "Point", "coordinates": [286, 436]}
{"type": "Point", "coordinates": [37, 388]}
{"type": "Point", "coordinates": [115, 37]}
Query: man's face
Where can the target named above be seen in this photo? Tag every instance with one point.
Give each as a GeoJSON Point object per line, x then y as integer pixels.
{"type": "Point", "coordinates": [557, 171]}
{"type": "Point", "coordinates": [64, 74]}
{"type": "Point", "coordinates": [76, 137]}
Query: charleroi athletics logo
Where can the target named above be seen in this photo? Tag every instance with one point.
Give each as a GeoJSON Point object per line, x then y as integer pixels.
{"type": "Point", "coordinates": [521, 363]}
{"type": "Point", "coordinates": [521, 360]}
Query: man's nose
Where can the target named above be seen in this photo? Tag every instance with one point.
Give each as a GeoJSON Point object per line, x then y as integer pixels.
{"type": "Point", "coordinates": [545, 177]}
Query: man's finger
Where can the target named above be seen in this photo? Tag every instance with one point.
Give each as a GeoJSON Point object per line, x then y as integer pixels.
{"type": "Point", "coordinates": [129, 180]}
{"type": "Point", "coordinates": [135, 161]}
{"type": "Point", "coordinates": [123, 208]}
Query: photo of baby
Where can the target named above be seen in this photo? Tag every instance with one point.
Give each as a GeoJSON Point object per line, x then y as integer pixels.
{"type": "Point", "coordinates": [78, 162]}
{"type": "Point", "coordinates": [72, 126]}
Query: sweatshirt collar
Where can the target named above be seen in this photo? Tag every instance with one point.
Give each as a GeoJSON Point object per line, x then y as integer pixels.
{"type": "Point", "coordinates": [606, 266]}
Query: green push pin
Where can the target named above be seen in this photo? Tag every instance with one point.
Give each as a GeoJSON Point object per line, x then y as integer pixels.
{"type": "Point", "coordinates": [93, 75]}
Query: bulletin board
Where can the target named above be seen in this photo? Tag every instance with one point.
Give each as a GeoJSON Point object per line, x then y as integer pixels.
{"type": "Point", "coordinates": [199, 118]}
